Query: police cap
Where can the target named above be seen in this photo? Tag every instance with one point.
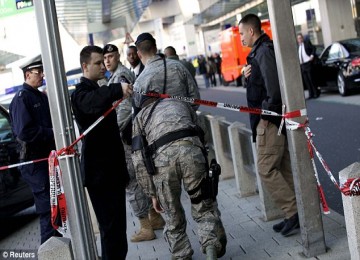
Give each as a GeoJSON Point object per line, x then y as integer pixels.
{"type": "Point", "coordinates": [35, 62]}
{"type": "Point", "coordinates": [145, 37]}
{"type": "Point", "coordinates": [110, 48]}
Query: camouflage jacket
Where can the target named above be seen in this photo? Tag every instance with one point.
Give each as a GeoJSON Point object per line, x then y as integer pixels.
{"type": "Point", "coordinates": [179, 81]}
{"type": "Point", "coordinates": [168, 116]}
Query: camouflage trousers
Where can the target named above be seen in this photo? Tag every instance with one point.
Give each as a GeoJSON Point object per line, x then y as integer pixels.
{"type": "Point", "coordinates": [139, 201]}
{"type": "Point", "coordinates": [184, 163]}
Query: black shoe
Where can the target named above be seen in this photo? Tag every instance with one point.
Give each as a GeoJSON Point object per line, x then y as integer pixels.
{"type": "Point", "coordinates": [279, 226]}
{"type": "Point", "coordinates": [292, 226]}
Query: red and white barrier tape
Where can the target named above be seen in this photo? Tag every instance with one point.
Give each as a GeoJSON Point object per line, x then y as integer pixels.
{"type": "Point", "coordinates": [297, 113]}
{"type": "Point", "coordinates": [350, 188]}
{"type": "Point", "coordinates": [57, 195]}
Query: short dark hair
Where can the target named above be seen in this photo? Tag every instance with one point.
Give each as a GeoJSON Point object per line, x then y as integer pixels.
{"type": "Point", "coordinates": [132, 47]}
{"type": "Point", "coordinates": [147, 46]}
{"type": "Point", "coordinates": [85, 54]}
{"type": "Point", "coordinates": [171, 49]}
{"type": "Point", "coordinates": [252, 20]}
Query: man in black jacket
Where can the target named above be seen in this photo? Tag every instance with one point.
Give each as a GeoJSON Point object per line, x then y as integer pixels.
{"type": "Point", "coordinates": [306, 56]}
{"type": "Point", "coordinates": [263, 91]}
{"type": "Point", "coordinates": [32, 127]}
{"type": "Point", "coordinates": [103, 164]}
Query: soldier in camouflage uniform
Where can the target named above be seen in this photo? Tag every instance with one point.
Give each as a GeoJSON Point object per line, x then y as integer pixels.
{"type": "Point", "coordinates": [171, 77]}
{"type": "Point", "coordinates": [176, 162]}
{"type": "Point", "coordinates": [140, 203]}
{"type": "Point", "coordinates": [178, 78]}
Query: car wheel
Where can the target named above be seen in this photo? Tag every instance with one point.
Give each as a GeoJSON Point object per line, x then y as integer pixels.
{"type": "Point", "coordinates": [225, 83]}
{"type": "Point", "coordinates": [342, 84]}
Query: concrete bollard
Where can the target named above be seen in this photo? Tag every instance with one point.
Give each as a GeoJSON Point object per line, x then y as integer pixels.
{"type": "Point", "coordinates": [220, 137]}
{"type": "Point", "coordinates": [243, 159]}
{"type": "Point", "coordinates": [351, 206]}
{"type": "Point", "coordinates": [56, 248]}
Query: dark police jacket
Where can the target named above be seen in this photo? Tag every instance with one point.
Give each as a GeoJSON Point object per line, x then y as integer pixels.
{"type": "Point", "coordinates": [102, 152]}
{"type": "Point", "coordinates": [31, 123]}
{"type": "Point", "coordinates": [262, 86]}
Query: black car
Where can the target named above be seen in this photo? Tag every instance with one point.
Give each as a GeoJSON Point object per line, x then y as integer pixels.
{"type": "Point", "coordinates": [338, 66]}
{"type": "Point", "coordinates": [15, 195]}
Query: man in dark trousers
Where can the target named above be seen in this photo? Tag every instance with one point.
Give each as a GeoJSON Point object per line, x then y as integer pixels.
{"type": "Point", "coordinates": [263, 91]}
{"type": "Point", "coordinates": [306, 56]}
{"type": "Point", "coordinates": [103, 165]}
{"type": "Point", "coordinates": [32, 127]}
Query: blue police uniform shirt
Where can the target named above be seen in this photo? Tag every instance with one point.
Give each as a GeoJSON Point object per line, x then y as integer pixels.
{"type": "Point", "coordinates": [31, 120]}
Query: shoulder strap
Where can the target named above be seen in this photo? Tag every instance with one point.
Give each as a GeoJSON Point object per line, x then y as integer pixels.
{"type": "Point", "coordinates": [164, 88]}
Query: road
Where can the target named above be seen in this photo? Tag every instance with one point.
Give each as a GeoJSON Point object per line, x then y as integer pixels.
{"type": "Point", "coordinates": [333, 119]}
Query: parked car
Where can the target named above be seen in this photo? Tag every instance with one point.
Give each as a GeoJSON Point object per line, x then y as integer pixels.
{"type": "Point", "coordinates": [15, 194]}
{"type": "Point", "coordinates": [338, 66]}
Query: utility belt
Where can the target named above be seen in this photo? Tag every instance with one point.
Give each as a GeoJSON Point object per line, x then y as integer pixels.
{"type": "Point", "coordinates": [208, 185]}
{"type": "Point", "coordinates": [139, 142]}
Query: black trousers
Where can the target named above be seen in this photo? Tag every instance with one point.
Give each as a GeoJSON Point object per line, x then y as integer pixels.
{"type": "Point", "coordinates": [110, 209]}
{"type": "Point", "coordinates": [307, 75]}
{"type": "Point", "coordinates": [37, 176]}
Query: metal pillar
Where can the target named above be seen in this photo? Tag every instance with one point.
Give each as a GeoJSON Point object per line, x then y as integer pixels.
{"type": "Point", "coordinates": [82, 236]}
{"type": "Point", "coordinates": [288, 66]}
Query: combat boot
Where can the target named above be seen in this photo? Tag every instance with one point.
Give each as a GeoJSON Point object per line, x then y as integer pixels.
{"type": "Point", "coordinates": [156, 220]}
{"type": "Point", "coordinates": [211, 253]}
{"type": "Point", "coordinates": [145, 233]}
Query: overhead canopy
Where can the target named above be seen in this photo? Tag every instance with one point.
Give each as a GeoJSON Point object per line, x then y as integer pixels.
{"type": "Point", "coordinates": [106, 20]}
{"type": "Point", "coordinates": [224, 11]}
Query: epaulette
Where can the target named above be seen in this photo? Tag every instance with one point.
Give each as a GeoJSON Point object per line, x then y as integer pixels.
{"type": "Point", "coordinates": [20, 92]}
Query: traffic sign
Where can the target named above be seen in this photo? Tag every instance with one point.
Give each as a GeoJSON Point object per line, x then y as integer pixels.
{"type": "Point", "coordinates": [128, 39]}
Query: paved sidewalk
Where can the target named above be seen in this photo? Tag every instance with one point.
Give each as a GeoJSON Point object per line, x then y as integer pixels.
{"type": "Point", "coordinates": [248, 236]}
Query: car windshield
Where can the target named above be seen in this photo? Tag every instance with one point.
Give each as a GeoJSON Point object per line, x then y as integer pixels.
{"type": "Point", "coordinates": [353, 46]}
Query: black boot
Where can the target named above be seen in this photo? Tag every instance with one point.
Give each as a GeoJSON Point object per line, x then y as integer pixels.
{"type": "Point", "coordinates": [292, 226]}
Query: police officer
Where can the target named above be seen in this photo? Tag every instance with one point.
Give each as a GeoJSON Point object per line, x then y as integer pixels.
{"type": "Point", "coordinates": [32, 127]}
{"type": "Point", "coordinates": [170, 129]}
{"type": "Point", "coordinates": [140, 203]}
{"type": "Point", "coordinates": [103, 163]}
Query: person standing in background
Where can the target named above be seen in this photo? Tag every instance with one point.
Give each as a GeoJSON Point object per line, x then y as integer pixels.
{"type": "Point", "coordinates": [306, 56]}
{"type": "Point", "coordinates": [136, 65]}
{"type": "Point", "coordinates": [217, 60]}
{"type": "Point", "coordinates": [203, 70]}
{"type": "Point", "coordinates": [170, 53]}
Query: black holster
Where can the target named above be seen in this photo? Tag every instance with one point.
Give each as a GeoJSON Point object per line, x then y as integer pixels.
{"type": "Point", "coordinates": [139, 142]}
{"type": "Point", "coordinates": [148, 160]}
{"type": "Point", "coordinates": [209, 188]}
{"type": "Point", "coordinates": [208, 185]}
{"type": "Point", "coordinates": [23, 149]}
